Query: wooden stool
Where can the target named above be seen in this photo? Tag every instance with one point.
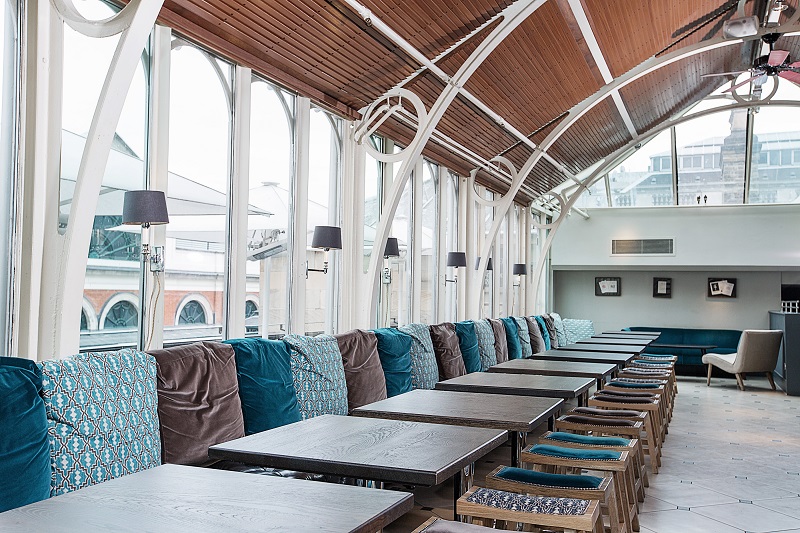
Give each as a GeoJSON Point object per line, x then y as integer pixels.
{"type": "Point", "coordinates": [658, 387]}
{"type": "Point", "coordinates": [652, 429]}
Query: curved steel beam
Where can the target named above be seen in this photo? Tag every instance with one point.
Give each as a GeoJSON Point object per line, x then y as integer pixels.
{"type": "Point", "coordinates": [116, 23]}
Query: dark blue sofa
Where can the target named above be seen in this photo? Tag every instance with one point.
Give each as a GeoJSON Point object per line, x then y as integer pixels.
{"type": "Point", "coordinates": [725, 340]}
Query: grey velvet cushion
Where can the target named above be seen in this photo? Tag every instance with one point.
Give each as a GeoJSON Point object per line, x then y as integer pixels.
{"type": "Point", "coordinates": [537, 341]}
{"type": "Point", "coordinates": [424, 369]}
{"type": "Point", "coordinates": [362, 368]}
{"type": "Point", "coordinates": [561, 333]}
{"type": "Point", "coordinates": [551, 330]}
{"type": "Point", "coordinates": [524, 336]}
{"type": "Point", "coordinates": [198, 401]}
{"type": "Point", "coordinates": [500, 343]}
{"type": "Point", "coordinates": [447, 350]}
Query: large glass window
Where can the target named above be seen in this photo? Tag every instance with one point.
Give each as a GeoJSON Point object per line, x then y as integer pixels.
{"type": "Point", "coordinates": [199, 175]}
{"type": "Point", "coordinates": [427, 242]}
{"type": "Point", "coordinates": [373, 180]}
{"type": "Point", "coordinates": [486, 221]}
{"type": "Point", "coordinates": [501, 270]}
{"type": "Point", "coordinates": [450, 207]}
{"type": "Point", "coordinates": [645, 178]}
{"type": "Point", "coordinates": [111, 289]}
{"type": "Point", "coordinates": [397, 307]}
{"type": "Point", "coordinates": [595, 197]}
{"type": "Point", "coordinates": [271, 174]}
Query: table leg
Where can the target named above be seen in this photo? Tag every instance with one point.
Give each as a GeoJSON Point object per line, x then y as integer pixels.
{"type": "Point", "coordinates": [583, 399]}
{"type": "Point", "coordinates": [514, 448]}
{"type": "Point", "coordinates": [458, 491]}
{"type": "Point", "coordinates": [600, 382]}
{"type": "Point", "coordinates": [551, 423]}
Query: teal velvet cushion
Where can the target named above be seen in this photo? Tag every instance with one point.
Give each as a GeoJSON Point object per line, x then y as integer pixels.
{"type": "Point", "coordinates": [266, 388]}
{"type": "Point", "coordinates": [587, 439]}
{"type": "Point", "coordinates": [575, 453]}
{"type": "Point", "coordinates": [318, 375]}
{"type": "Point", "coordinates": [524, 336]}
{"type": "Point", "coordinates": [394, 349]}
{"type": "Point", "coordinates": [102, 415]}
{"type": "Point", "coordinates": [512, 338]}
{"type": "Point", "coordinates": [424, 370]}
{"type": "Point", "coordinates": [24, 447]}
{"type": "Point", "coordinates": [634, 385]}
{"type": "Point", "coordinates": [483, 329]}
{"type": "Point", "coordinates": [468, 342]}
{"type": "Point", "coordinates": [523, 475]}
{"type": "Point", "coordinates": [545, 334]}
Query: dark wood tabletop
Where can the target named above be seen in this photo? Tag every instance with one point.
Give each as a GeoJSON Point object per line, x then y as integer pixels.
{"type": "Point", "coordinates": [201, 500]}
{"type": "Point", "coordinates": [515, 413]}
{"type": "Point", "coordinates": [518, 384]}
{"type": "Point", "coordinates": [613, 348]}
{"type": "Point", "coordinates": [624, 332]}
{"type": "Point", "coordinates": [621, 342]}
{"type": "Point", "coordinates": [365, 448]}
{"type": "Point", "coordinates": [555, 368]}
{"type": "Point", "coordinates": [619, 359]}
{"type": "Point", "coordinates": [628, 337]}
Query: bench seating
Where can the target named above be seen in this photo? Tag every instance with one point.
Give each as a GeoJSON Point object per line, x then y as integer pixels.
{"type": "Point", "coordinates": [725, 340]}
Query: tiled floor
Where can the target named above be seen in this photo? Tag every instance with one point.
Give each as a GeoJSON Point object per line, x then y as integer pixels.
{"type": "Point", "coordinates": [731, 464]}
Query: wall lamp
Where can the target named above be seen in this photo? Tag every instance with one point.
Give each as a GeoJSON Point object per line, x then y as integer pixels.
{"type": "Point", "coordinates": [392, 249]}
{"type": "Point", "coordinates": [327, 238]}
{"type": "Point", "coordinates": [456, 260]}
{"type": "Point", "coordinates": [146, 208]}
{"type": "Point", "coordinates": [519, 269]}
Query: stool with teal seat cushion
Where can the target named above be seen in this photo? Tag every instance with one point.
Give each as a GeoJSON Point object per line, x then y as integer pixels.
{"type": "Point", "coordinates": [25, 467]}
{"type": "Point", "coordinates": [631, 385]}
{"type": "Point", "coordinates": [587, 440]}
{"type": "Point", "coordinates": [572, 453]}
{"type": "Point", "coordinates": [512, 338]}
{"type": "Point", "coordinates": [532, 477]}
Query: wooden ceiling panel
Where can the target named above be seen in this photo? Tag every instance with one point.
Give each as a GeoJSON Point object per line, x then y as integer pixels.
{"type": "Point", "coordinates": [539, 62]}
{"type": "Point", "coordinates": [544, 177]}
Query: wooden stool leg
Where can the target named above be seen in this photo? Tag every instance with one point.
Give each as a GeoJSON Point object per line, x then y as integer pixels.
{"type": "Point", "coordinates": [708, 379]}
{"type": "Point", "coordinates": [739, 381]}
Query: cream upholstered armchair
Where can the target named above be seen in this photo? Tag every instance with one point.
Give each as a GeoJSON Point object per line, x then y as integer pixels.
{"type": "Point", "coordinates": [757, 352]}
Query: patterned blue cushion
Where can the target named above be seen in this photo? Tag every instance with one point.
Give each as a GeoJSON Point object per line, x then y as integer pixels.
{"type": "Point", "coordinates": [588, 440]}
{"type": "Point", "coordinates": [566, 481]}
{"type": "Point", "coordinates": [634, 385]}
{"type": "Point", "coordinates": [394, 350]}
{"type": "Point", "coordinates": [561, 333]}
{"type": "Point", "coordinates": [485, 344]}
{"type": "Point", "coordinates": [578, 329]}
{"type": "Point", "coordinates": [512, 338]}
{"type": "Point", "coordinates": [545, 332]}
{"type": "Point", "coordinates": [318, 375]}
{"type": "Point", "coordinates": [574, 453]}
{"type": "Point", "coordinates": [25, 469]}
{"type": "Point", "coordinates": [524, 336]}
{"type": "Point", "coordinates": [528, 504]}
{"type": "Point", "coordinates": [468, 342]}
{"type": "Point", "coordinates": [102, 417]}
{"type": "Point", "coordinates": [424, 371]}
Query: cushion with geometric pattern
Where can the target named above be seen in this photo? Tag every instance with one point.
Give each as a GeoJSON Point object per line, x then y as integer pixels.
{"type": "Point", "coordinates": [318, 375]}
{"type": "Point", "coordinates": [528, 504]}
{"type": "Point", "coordinates": [424, 370]}
{"type": "Point", "coordinates": [486, 344]}
{"type": "Point", "coordinates": [524, 336]}
{"type": "Point", "coordinates": [561, 333]}
{"type": "Point", "coordinates": [102, 414]}
{"type": "Point", "coordinates": [577, 329]}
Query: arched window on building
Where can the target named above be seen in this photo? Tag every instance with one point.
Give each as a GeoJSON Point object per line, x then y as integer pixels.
{"type": "Point", "coordinates": [122, 314]}
{"type": "Point", "coordinates": [192, 313]}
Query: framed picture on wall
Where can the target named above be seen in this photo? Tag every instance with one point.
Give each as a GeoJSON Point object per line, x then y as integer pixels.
{"type": "Point", "coordinates": [721, 288]}
{"type": "Point", "coordinates": [607, 286]}
{"type": "Point", "coordinates": [662, 287]}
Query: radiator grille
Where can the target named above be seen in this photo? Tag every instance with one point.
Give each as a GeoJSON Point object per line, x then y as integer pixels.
{"type": "Point", "coordinates": [642, 246]}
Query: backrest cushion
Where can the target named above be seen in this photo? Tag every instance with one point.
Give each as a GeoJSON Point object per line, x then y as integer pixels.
{"type": "Point", "coordinates": [394, 349]}
{"type": "Point", "coordinates": [512, 338]}
{"type": "Point", "coordinates": [102, 416]}
{"type": "Point", "coordinates": [447, 350]}
{"type": "Point", "coordinates": [468, 343]}
{"type": "Point", "coordinates": [524, 336]}
{"type": "Point", "coordinates": [198, 401]}
{"type": "Point", "coordinates": [545, 334]}
{"type": "Point", "coordinates": [577, 329]}
{"type": "Point", "coordinates": [318, 375]}
{"type": "Point", "coordinates": [550, 324]}
{"type": "Point", "coordinates": [561, 333]}
{"type": "Point", "coordinates": [362, 368]}
{"type": "Point", "coordinates": [537, 341]}
{"type": "Point", "coordinates": [424, 370]}
{"type": "Point", "coordinates": [266, 386]}
{"type": "Point", "coordinates": [485, 334]}
{"type": "Point", "coordinates": [25, 469]}
{"type": "Point", "coordinates": [500, 342]}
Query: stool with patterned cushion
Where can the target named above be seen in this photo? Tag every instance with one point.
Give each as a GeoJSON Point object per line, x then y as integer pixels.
{"type": "Point", "coordinates": [563, 460]}
{"type": "Point", "coordinates": [628, 396]}
{"type": "Point", "coordinates": [534, 483]}
{"type": "Point", "coordinates": [653, 430]}
{"type": "Point", "coordinates": [566, 514]}
{"type": "Point", "coordinates": [659, 388]}
{"type": "Point", "coordinates": [659, 357]}
{"type": "Point", "coordinates": [647, 373]}
{"type": "Point", "coordinates": [618, 444]}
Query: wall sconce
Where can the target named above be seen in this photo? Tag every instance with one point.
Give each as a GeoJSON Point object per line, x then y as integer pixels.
{"type": "Point", "coordinates": [456, 260]}
{"type": "Point", "coordinates": [519, 269]}
{"type": "Point", "coordinates": [392, 249]}
{"type": "Point", "coordinates": [146, 208]}
{"type": "Point", "coordinates": [327, 238]}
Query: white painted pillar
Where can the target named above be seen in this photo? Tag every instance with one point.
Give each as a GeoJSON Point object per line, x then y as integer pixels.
{"type": "Point", "coordinates": [466, 274]}
{"type": "Point", "coordinates": [298, 226]}
{"type": "Point", "coordinates": [415, 228]}
{"type": "Point", "coordinates": [352, 272]}
{"type": "Point", "coordinates": [441, 245]}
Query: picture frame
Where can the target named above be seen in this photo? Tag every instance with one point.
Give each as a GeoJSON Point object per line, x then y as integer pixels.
{"type": "Point", "coordinates": [662, 287]}
{"type": "Point", "coordinates": [721, 288]}
{"type": "Point", "coordinates": [607, 286]}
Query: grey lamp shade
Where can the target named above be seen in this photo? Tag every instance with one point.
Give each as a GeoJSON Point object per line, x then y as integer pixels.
{"type": "Point", "coordinates": [520, 269]}
{"type": "Point", "coordinates": [144, 207]}
{"type": "Point", "coordinates": [327, 237]}
{"type": "Point", "coordinates": [392, 248]}
{"type": "Point", "coordinates": [489, 265]}
{"type": "Point", "coordinates": [456, 259]}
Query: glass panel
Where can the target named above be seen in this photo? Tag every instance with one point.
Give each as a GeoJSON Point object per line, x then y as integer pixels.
{"type": "Point", "coordinates": [515, 257]}
{"type": "Point", "coordinates": [488, 292]}
{"type": "Point", "coordinates": [595, 197]}
{"type": "Point", "coordinates": [427, 242]}
{"type": "Point", "coordinates": [110, 308]}
{"type": "Point", "coordinates": [645, 178]}
{"type": "Point", "coordinates": [373, 178]}
{"type": "Point", "coordinates": [450, 206]}
{"type": "Point", "coordinates": [199, 174]}
{"type": "Point", "coordinates": [501, 269]}
{"type": "Point", "coordinates": [271, 173]}
{"type": "Point", "coordinates": [722, 137]}
{"type": "Point", "coordinates": [398, 284]}
{"type": "Point", "coordinates": [775, 170]}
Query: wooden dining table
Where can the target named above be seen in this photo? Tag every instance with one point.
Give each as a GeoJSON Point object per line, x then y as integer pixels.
{"type": "Point", "coordinates": [581, 356]}
{"type": "Point", "coordinates": [635, 349]}
{"type": "Point", "coordinates": [598, 371]}
{"type": "Point", "coordinates": [519, 415]}
{"type": "Point", "coordinates": [620, 342]}
{"type": "Point", "coordinates": [186, 499]}
{"type": "Point", "coordinates": [634, 333]}
{"type": "Point", "coordinates": [521, 385]}
{"type": "Point", "coordinates": [373, 449]}
{"type": "Point", "coordinates": [634, 338]}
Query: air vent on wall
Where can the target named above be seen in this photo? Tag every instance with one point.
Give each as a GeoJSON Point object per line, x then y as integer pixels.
{"type": "Point", "coordinates": [643, 247]}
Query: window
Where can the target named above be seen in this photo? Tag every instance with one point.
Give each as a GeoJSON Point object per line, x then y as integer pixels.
{"type": "Point", "coordinates": [373, 198]}
{"type": "Point", "coordinates": [594, 197]}
{"type": "Point", "coordinates": [122, 314]}
{"type": "Point", "coordinates": [397, 301]}
{"type": "Point", "coordinates": [645, 178]}
{"type": "Point", "coordinates": [450, 208]}
{"type": "Point", "coordinates": [192, 313]}
{"type": "Point", "coordinates": [427, 242]}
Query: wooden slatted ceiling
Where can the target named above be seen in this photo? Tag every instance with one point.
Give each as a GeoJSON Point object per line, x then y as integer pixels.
{"type": "Point", "coordinates": [539, 62]}
{"type": "Point", "coordinates": [668, 91]}
{"type": "Point", "coordinates": [630, 32]}
{"type": "Point", "coordinates": [544, 177]}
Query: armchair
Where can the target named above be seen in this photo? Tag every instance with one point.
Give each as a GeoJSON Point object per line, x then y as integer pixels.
{"type": "Point", "coordinates": [757, 352]}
